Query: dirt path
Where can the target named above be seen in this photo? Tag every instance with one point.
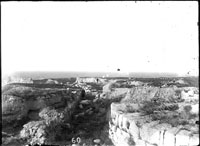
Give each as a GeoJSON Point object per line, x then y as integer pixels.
{"type": "Point", "coordinates": [90, 121]}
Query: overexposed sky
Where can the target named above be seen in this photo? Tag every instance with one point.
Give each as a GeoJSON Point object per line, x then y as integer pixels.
{"type": "Point", "coordinates": [100, 36]}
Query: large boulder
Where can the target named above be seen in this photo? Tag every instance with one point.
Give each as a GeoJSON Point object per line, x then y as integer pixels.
{"type": "Point", "coordinates": [35, 132]}
{"type": "Point", "coordinates": [47, 129]}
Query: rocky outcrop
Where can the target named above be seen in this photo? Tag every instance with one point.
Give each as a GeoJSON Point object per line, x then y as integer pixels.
{"type": "Point", "coordinates": [13, 108]}
{"type": "Point", "coordinates": [45, 109]}
{"type": "Point", "coordinates": [35, 132]}
{"type": "Point", "coordinates": [47, 129]}
{"type": "Point", "coordinates": [155, 117]}
{"type": "Point", "coordinates": [190, 94]}
{"type": "Point", "coordinates": [19, 100]}
{"type": "Point", "coordinates": [170, 94]}
{"type": "Point", "coordinates": [12, 79]}
{"type": "Point", "coordinates": [90, 80]}
{"type": "Point", "coordinates": [140, 115]}
{"type": "Point", "coordinates": [51, 81]}
{"type": "Point", "coordinates": [181, 81]}
{"type": "Point", "coordinates": [136, 83]}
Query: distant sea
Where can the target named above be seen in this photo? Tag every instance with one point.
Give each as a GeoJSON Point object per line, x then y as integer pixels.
{"type": "Point", "coordinates": [45, 75]}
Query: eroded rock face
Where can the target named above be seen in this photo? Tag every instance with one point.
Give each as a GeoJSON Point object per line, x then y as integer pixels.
{"type": "Point", "coordinates": [12, 79]}
{"type": "Point", "coordinates": [172, 123]}
{"type": "Point", "coordinates": [13, 108]}
{"type": "Point", "coordinates": [45, 110]}
{"type": "Point", "coordinates": [17, 101]}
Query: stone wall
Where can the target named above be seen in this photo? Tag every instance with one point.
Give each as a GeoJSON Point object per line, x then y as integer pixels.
{"type": "Point", "coordinates": [129, 127]}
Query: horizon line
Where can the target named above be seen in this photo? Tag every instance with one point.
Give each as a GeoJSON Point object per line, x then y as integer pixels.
{"type": "Point", "coordinates": [139, 74]}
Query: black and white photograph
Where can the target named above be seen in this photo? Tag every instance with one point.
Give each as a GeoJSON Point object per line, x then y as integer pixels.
{"type": "Point", "coordinates": [99, 73]}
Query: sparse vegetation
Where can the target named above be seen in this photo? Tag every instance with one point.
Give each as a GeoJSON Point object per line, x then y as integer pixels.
{"type": "Point", "coordinates": [168, 113]}
{"type": "Point", "coordinates": [160, 103]}
{"type": "Point", "coordinates": [131, 108]}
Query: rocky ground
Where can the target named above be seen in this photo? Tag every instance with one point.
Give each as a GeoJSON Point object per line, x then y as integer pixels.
{"type": "Point", "coordinates": [91, 111]}
{"type": "Point", "coordinates": [156, 116]}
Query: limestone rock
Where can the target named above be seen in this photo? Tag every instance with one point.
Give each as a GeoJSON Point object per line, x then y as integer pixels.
{"type": "Point", "coordinates": [166, 125]}
{"type": "Point", "coordinates": [34, 132]}
{"type": "Point", "coordinates": [75, 144]}
{"type": "Point", "coordinates": [81, 106]}
{"type": "Point", "coordinates": [95, 100]}
{"type": "Point", "coordinates": [12, 79]}
{"type": "Point", "coordinates": [51, 81]}
{"type": "Point", "coordinates": [136, 83]}
{"type": "Point", "coordinates": [18, 100]}
{"type": "Point", "coordinates": [50, 115]}
{"type": "Point", "coordinates": [85, 102]}
{"type": "Point", "coordinates": [46, 129]}
{"type": "Point", "coordinates": [13, 108]}
{"type": "Point", "coordinates": [97, 141]}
